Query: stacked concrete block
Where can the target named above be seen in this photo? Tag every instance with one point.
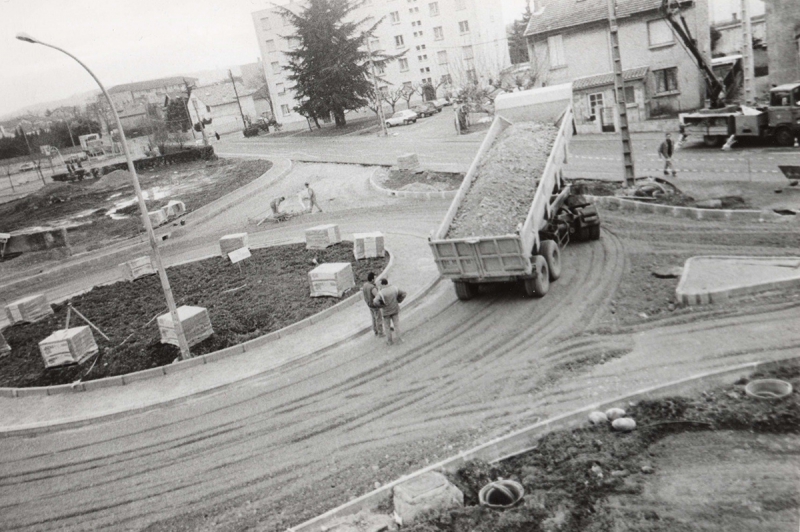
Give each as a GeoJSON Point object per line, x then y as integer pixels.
{"type": "Point", "coordinates": [195, 321]}
{"type": "Point", "coordinates": [331, 279]}
{"type": "Point", "coordinates": [28, 309]}
{"type": "Point", "coordinates": [368, 245]}
{"type": "Point", "coordinates": [175, 208]}
{"type": "Point", "coordinates": [157, 217]}
{"type": "Point", "coordinates": [430, 491]}
{"type": "Point", "coordinates": [68, 346]}
{"type": "Point", "coordinates": [232, 242]}
{"type": "Point", "coordinates": [408, 161]}
{"type": "Point", "coordinates": [322, 236]}
{"type": "Point", "coordinates": [133, 269]}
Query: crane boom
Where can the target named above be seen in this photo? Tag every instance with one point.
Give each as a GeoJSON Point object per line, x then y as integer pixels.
{"type": "Point", "coordinates": [716, 90]}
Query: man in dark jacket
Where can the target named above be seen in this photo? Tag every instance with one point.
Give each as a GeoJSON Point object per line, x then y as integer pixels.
{"type": "Point", "coordinates": [389, 299]}
{"type": "Point", "coordinates": [370, 291]}
{"type": "Point", "coordinates": [665, 152]}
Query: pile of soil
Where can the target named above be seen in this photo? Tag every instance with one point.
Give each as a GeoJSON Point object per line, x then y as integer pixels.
{"type": "Point", "coordinates": [505, 182]}
{"type": "Point", "coordinates": [593, 479]}
{"type": "Point", "coordinates": [113, 180]}
{"type": "Point", "coordinates": [410, 180]}
{"type": "Point", "coordinates": [269, 293]}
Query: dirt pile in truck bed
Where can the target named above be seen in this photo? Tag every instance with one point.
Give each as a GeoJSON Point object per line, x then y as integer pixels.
{"type": "Point", "coordinates": [505, 182]}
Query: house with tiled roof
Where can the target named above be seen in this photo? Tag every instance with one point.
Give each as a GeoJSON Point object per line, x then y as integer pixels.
{"type": "Point", "coordinates": [149, 91]}
{"type": "Point", "coordinates": [228, 107]}
{"type": "Point", "coordinates": [569, 41]}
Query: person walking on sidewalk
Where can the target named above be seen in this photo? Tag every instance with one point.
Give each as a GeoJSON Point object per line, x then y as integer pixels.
{"type": "Point", "coordinates": [665, 152]}
{"type": "Point", "coordinates": [389, 299]}
{"type": "Point", "coordinates": [312, 199]}
{"type": "Point", "coordinates": [370, 291]}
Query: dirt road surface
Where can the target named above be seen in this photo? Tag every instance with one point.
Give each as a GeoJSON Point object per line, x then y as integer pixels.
{"type": "Point", "coordinates": [288, 445]}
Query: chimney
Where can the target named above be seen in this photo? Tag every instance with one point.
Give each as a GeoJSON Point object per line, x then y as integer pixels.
{"type": "Point", "coordinates": [735, 16]}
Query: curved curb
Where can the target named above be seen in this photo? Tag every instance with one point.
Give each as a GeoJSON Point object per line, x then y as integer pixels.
{"type": "Point", "coordinates": [418, 194]}
{"type": "Point", "coordinates": [707, 297]}
{"type": "Point", "coordinates": [250, 345]}
{"type": "Point", "coordinates": [626, 205]}
{"type": "Point", "coordinates": [525, 439]}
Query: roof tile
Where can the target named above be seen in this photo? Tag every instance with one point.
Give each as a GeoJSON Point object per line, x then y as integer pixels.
{"type": "Point", "coordinates": [559, 14]}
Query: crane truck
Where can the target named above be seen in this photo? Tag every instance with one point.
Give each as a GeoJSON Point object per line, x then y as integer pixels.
{"type": "Point", "coordinates": [558, 214]}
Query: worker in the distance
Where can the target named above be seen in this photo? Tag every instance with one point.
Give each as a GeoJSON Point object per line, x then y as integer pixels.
{"type": "Point", "coordinates": [665, 152]}
{"type": "Point", "coordinates": [312, 199]}
{"type": "Point", "coordinates": [275, 205]}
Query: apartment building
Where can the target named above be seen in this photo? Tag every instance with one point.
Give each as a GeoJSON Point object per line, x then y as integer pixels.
{"type": "Point", "coordinates": [446, 43]}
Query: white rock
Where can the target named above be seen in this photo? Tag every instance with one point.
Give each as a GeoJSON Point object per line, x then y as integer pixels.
{"type": "Point", "coordinates": [614, 413]}
{"type": "Point", "coordinates": [597, 417]}
{"type": "Point", "coordinates": [624, 424]}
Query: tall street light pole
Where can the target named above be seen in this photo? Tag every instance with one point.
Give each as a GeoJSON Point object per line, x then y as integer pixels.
{"type": "Point", "coordinates": [173, 310]}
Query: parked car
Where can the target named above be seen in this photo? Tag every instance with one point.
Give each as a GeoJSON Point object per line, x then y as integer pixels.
{"type": "Point", "coordinates": [443, 102]}
{"type": "Point", "coordinates": [435, 103]}
{"type": "Point", "coordinates": [401, 118]}
{"type": "Point", "coordinates": [27, 167]}
{"type": "Point", "coordinates": [425, 109]}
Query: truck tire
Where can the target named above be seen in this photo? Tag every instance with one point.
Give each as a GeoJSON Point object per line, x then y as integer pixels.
{"type": "Point", "coordinates": [784, 137]}
{"type": "Point", "coordinates": [540, 284]}
{"type": "Point", "coordinates": [712, 141]}
{"type": "Point", "coordinates": [549, 250]}
{"type": "Point", "coordinates": [594, 232]}
{"type": "Point", "coordinates": [465, 291]}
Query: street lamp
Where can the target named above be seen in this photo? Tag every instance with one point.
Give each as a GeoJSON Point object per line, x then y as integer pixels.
{"type": "Point", "coordinates": [184, 346]}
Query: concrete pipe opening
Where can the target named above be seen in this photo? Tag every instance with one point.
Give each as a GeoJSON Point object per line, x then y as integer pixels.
{"type": "Point", "coordinates": [768, 389]}
{"type": "Point", "coordinates": [501, 494]}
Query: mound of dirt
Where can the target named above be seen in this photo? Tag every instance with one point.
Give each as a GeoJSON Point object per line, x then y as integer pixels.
{"type": "Point", "coordinates": [115, 179]}
{"type": "Point", "coordinates": [505, 182]}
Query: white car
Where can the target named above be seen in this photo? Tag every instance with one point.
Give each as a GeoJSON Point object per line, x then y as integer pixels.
{"type": "Point", "coordinates": [401, 118]}
{"type": "Point", "coordinates": [27, 167]}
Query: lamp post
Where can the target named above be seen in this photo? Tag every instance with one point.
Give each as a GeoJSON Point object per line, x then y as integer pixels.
{"type": "Point", "coordinates": [184, 346]}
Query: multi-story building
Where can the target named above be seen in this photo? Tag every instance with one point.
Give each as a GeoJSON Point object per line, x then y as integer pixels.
{"type": "Point", "coordinates": [446, 43]}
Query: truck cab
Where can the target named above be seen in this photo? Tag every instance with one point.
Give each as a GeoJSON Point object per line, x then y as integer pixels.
{"type": "Point", "coordinates": [784, 112]}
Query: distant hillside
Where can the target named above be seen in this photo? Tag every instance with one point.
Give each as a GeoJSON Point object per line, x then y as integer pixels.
{"type": "Point", "coordinates": [39, 108]}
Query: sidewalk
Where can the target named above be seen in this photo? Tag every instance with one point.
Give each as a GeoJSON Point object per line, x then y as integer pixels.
{"type": "Point", "coordinates": [412, 270]}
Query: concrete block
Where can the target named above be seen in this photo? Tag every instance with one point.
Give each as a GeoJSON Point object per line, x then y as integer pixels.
{"type": "Point", "coordinates": [182, 365]}
{"type": "Point", "coordinates": [195, 321]}
{"type": "Point", "coordinates": [232, 242]}
{"type": "Point", "coordinates": [68, 346]}
{"type": "Point", "coordinates": [8, 392]}
{"type": "Point", "coordinates": [146, 374]}
{"type": "Point", "coordinates": [224, 353]}
{"type": "Point", "coordinates": [430, 491]}
{"type": "Point", "coordinates": [62, 389]}
{"type": "Point", "coordinates": [40, 391]}
{"type": "Point", "coordinates": [331, 279]}
{"type": "Point", "coordinates": [408, 161]}
{"type": "Point", "coordinates": [99, 384]}
{"type": "Point", "coordinates": [139, 267]}
{"type": "Point", "coordinates": [157, 217]}
{"type": "Point", "coordinates": [322, 236]}
{"type": "Point", "coordinates": [368, 245]}
{"type": "Point", "coordinates": [28, 309]}
{"type": "Point", "coordinates": [261, 341]}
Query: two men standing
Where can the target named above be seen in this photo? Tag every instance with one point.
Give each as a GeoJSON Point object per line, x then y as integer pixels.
{"type": "Point", "coordinates": [384, 306]}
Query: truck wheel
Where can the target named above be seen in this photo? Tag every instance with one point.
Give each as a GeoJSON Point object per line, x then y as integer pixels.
{"type": "Point", "coordinates": [540, 284]}
{"type": "Point", "coordinates": [713, 141]}
{"type": "Point", "coordinates": [465, 291]}
{"type": "Point", "coordinates": [784, 137]}
{"type": "Point", "coordinates": [549, 250]}
{"type": "Point", "coordinates": [594, 232]}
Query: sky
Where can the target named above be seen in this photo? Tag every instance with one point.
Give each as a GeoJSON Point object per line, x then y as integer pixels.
{"type": "Point", "coordinates": [125, 40]}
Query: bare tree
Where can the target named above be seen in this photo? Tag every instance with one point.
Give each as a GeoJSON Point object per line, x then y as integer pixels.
{"type": "Point", "coordinates": [392, 97]}
{"type": "Point", "coordinates": [407, 93]}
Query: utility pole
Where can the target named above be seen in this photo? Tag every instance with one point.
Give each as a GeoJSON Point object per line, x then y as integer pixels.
{"type": "Point", "coordinates": [200, 121]}
{"type": "Point", "coordinates": [69, 129]}
{"type": "Point", "coordinates": [30, 154]}
{"type": "Point", "coordinates": [244, 123]}
{"type": "Point", "coordinates": [619, 91]}
{"type": "Point", "coordinates": [747, 56]}
{"type": "Point", "coordinates": [378, 102]}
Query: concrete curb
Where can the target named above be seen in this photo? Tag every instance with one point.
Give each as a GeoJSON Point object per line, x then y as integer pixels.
{"type": "Point", "coordinates": [708, 297]}
{"type": "Point", "coordinates": [125, 248]}
{"type": "Point", "coordinates": [625, 205]}
{"type": "Point", "coordinates": [418, 194]}
{"type": "Point", "coordinates": [250, 345]}
{"type": "Point", "coordinates": [525, 439]}
{"type": "Point", "coordinates": [40, 428]}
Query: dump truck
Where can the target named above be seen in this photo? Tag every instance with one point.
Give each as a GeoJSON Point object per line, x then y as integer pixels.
{"type": "Point", "coordinates": [530, 253]}
{"type": "Point", "coordinates": [779, 121]}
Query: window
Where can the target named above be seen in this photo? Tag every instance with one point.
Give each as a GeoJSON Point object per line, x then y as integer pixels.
{"type": "Point", "coordinates": [630, 94]}
{"type": "Point", "coordinates": [463, 26]}
{"type": "Point", "coordinates": [395, 16]}
{"type": "Point", "coordinates": [461, 4]}
{"type": "Point", "coordinates": [420, 47]}
{"type": "Point", "coordinates": [467, 52]}
{"type": "Point", "coordinates": [447, 79]}
{"type": "Point", "coordinates": [280, 88]}
{"type": "Point", "coordinates": [403, 64]}
{"type": "Point", "coordinates": [270, 45]}
{"type": "Point", "coordinates": [442, 57]}
{"type": "Point", "coordinates": [427, 80]}
{"type": "Point", "coordinates": [666, 80]}
{"type": "Point", "coordinates": [424, 70]}
{"type": "Point", "coordinates": [413, 10]}
{"type": "Point", "coordinates": [265, 25]}
{"type": "Point", "coordinates": [555, 47]}
{"type": "Point", "coordinates": [423, 57]}
{"type": "Point", "coordinates": [659, 33]}
{"type": "Point", "coordinates": [375, 43]}
{"type": "Point", "coordinates": [438, 33]}
{"type": "Point", "coordinates": [276, 67]}
{"type": "Point", "coordinates": [417, 34]}
{"type": "Point", "coordinates": [398, 41]}
{"type": "Point", "coordinates": [434, 7]}
{"type": "Point", "coordinates": [595, 102]}
{"type": "Point", "coordinates": [285, 110]}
